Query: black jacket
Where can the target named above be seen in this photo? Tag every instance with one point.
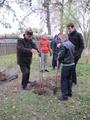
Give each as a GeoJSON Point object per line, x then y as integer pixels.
{"type": "Point", "coordinates": [77, 39]}
{"type": "Point", "coordinates": [24, 54]}
{"type": "Point", "coordinates": [54, 43]}
{"type": "Point", "coordinates": [66, 53]}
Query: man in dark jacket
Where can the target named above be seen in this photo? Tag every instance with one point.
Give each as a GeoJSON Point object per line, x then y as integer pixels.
{"type": "Point", "coordinates": [55, 50]}
{"type": "Point", "coordinates": [25, 48]}
{"type": "Point", "coordinates": [77, 39]}
{"type": "Point", "coordinates": [59, 38]}
{"type": "Point", "coordinates": [66, 57]}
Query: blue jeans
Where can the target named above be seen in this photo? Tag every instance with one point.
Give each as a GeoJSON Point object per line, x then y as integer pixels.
{"type": "Point", "coordinates": [74, 75]}
{"type": "Point", "coordinates": [66, 80]}
{"type": "Point", "coordinates": [54, 60]}
{"type": "Point", "coordinates": [44, 57]}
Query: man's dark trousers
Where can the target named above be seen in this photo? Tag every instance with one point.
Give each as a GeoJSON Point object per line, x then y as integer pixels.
{"type": "Point", "coordinates": [66, 80]}
{"type": "Point", "coordinates": [74, 75]}
{"type": "Point", "coordinates": [54, 60]}
{"type": "Point", "coordinates": [25, 69]}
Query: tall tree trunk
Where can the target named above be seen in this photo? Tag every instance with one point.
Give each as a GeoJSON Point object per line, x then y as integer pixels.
{"type": "Point", "coordinates": [61, 15]}
{"type": "Point", "coordinates": [47, 7]}
{"type": "Point", "coordinates": [48, 20]}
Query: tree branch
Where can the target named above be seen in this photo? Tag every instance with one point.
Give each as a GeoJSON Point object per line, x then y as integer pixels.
{"type": "Point", "coordinates": [2, 2]}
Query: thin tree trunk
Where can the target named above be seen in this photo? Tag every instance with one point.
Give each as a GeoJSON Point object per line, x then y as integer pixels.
{"type": "Point", "coordinates": [48, 20]}
{"type": "Point", "coordinates": [61, 16]}
{"type": "Point", "coordinates": [47, 8]}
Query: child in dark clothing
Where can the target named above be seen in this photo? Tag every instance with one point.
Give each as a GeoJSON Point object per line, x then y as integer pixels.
{"type": "Point", "coordinates": [66, 57]}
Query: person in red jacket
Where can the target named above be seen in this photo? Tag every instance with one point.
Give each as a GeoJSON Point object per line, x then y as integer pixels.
{"type": "Point", "coordinates": [44, 47]}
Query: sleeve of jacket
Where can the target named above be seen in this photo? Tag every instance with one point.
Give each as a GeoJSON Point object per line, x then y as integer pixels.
{"type": "Point", "coordinates": [52, 45]}
{"type": "Point", "coordinates": [81, 44]}
{"type": "Point", "coordinates": [34, 46]}
{"type": "Point", "coordinates": [49, 48]}
{"type": "Point", "coordinates": [61, 54]}
{"type": "Point", "coordinates": [21, 47]}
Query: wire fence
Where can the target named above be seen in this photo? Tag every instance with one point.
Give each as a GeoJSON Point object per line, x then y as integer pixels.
{"type": "Point", "coordinates": [7, 48]}
{"type": "Point", "coordinates": [8, 61]}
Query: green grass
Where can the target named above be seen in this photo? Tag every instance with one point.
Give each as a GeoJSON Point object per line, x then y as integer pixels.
{"type": "Point", "coordinates": [28, 106]}
{"type": "Point", "coordinates": [8, 61]}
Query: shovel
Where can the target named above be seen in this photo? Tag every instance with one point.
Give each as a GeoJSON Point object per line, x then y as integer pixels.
{"type": "Point", "coordinates": [55, 88]}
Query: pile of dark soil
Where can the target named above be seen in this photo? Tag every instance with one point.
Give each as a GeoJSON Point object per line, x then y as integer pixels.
{"type": "Point", "coordinates": [44, 87]}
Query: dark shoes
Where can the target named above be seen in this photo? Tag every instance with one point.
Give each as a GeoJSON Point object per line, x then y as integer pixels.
{"type": "Point", "coordinates": [64, 98]}
{"type": "Point", "coordinates": [61, 98]}
{"type": "Point", "coordinates": [46, 70]}
{"type": "Point", "coordinates": [69, 95]}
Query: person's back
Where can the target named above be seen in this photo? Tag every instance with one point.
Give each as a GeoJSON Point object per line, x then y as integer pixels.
{"type": "Point", "coordinates": [66, 53]}
{"type": "Point", "coordinates": [66, 57]}
{"type": "Point", "coordinates": [44, 45]}
{"type": "Point", "coordinates": [23, 51]}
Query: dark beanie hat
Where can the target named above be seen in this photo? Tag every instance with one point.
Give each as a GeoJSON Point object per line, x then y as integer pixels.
{"type": "Point", "coordinates": [27, 32]}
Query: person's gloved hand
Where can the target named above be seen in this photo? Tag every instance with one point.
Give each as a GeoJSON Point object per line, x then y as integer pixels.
{"type": "Point", "coordinates": [50, 54]}
{"type": "Point", "coordinates": [39, 54]}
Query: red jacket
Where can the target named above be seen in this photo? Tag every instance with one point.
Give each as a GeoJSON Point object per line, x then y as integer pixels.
{"type": "Point", "coordinates": [44, 45]}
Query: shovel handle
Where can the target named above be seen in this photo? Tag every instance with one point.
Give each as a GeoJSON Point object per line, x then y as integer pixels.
{"type": "Point", "coordinates": [58, 66]}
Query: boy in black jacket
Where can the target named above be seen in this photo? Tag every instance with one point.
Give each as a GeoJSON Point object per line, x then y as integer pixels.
{"type": "Point", "coordinates": [66, 57]}
{"type": "Point", "coordinates": [77, 39]}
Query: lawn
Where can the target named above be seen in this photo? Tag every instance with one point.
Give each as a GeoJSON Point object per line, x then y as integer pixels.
{"type": "Point", "coordinates": [8, 61]}
{"type": "Point", "coordinates": [26, 105]}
